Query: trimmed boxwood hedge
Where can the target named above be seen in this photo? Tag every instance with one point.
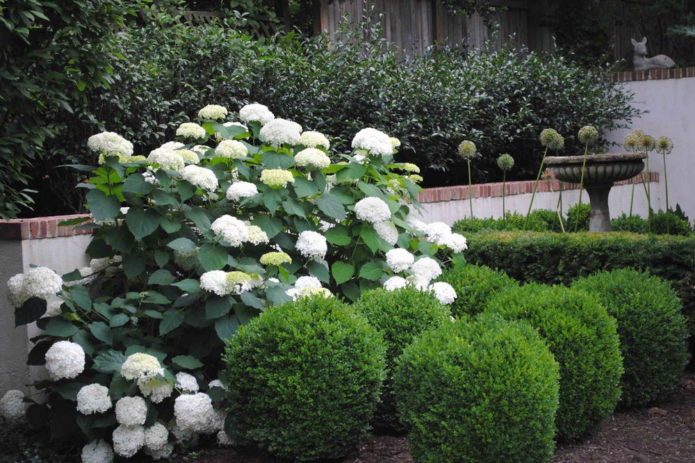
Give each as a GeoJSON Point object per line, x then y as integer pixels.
{"type": "Point", "coordinates": [583, 338]}
{"type": "Point", "coordinates": [651, 328]}
{"type": "Point", "coordinates": [304, 379]}
{"type": "Point", "coordinates": [564, 257]}
{"type": "Point", "coordinates": [474, 285]}
{"type": "Point", "coordinates": [479, 391]}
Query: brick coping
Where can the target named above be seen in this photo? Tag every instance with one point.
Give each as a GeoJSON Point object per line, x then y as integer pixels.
{"type": "Point", "coordinates": [653, 74]}
{"type": "Point", "coordinates": [47, 227]}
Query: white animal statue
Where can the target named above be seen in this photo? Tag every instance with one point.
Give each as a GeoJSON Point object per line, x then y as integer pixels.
{"type": "Point", "coordinates": [642, 63]}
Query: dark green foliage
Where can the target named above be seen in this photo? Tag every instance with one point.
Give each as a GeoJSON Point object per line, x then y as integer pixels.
{"type": "Point", "coordinates": [539, 220]}
{"type": "Point", "coordinates": [561, 258]}
{"type": "Point", "coordinates": [583, 338]}
{"type": "Point", "coordinates": [304, 379]}
{"type": "Point", "coordinates": [578, 218]}
{"type": "Point", "coordinates": [475, 285]}
{"type": "Point", "coordinates": [632, 224]}
{"type": "Point", "coordinates": [399, 316]}
{"type": "Point", "coordinates": [481, 391]}
{"type": "Point", "coordinates": [652, 331]}
{"type": "Point", "coordinates": [662, 223]}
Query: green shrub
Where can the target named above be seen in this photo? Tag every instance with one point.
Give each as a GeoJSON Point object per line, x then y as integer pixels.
{"type": "Point", "coordinates": [662, 223]}
{"type": "Point", "coordinates": [484, 390]}
{"type": "Point", "coordinates": [475, 285]}
{"type": "Point", "coordinates": [304, 379]}
{"type": "Point", "coordinates": [562, 258]}
{"type": "Point", "coordinates": [578, 218]}
{"type": "Point", "coordinates": [652, 331]}
{"type": "Point", "coordinates": [549, 219]}
{"type": "Point", "coordinates": [632, 224]}
{"type": "Point", "coordinates": [400, 316]}
{"type": "Point", "coordinates": [539, 220]}
{"type": "Point", "coordinates": [583, 338]}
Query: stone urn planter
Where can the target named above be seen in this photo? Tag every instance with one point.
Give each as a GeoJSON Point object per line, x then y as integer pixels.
{"type": "Point", "coordinates": [601, 171]}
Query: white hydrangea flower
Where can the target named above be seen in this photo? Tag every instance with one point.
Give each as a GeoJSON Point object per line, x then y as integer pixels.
{"type": "Point", "coordinates": [312, 292]}
{"type": "Point", "coordinates": [223, 439]}
{"type": "Point", "coordinates": [239, 190]}
{"type": "Point", "coordinates": [188, 156]}
{"type": "Point", "coordinates": [186, 382]}
{"type": "Point", "coordinates": [53, 304]}
{"type": "Point", "coordinates": [149, 176]}
{"type": "Point", "coordinates": [303, 283]}
{"type": "Point", "coordinates": [131, 411]}
{"type": "Point", "coordinates": [93, 398]}
{"type": "Point", "coordinates": [173, 145]}
{"type": "Point", "coordinates": [194, 412]}
{"type": "Point", "coordinates": [256, 112]}
{"type": "Point", "coordinates": [12, 406]}
{"type": "Point", "coordinates": [64, 360]}
{"type": "Point", "coordinates": [216, 383]}
{"type": "Point", "coordinates": [395, 283]}
{"type": "Point", "coordinates": [97, 451]}
{"type": "Point", "coordinates": [360, 156]}
{"type": "Point", "coordinates": [456, 242]}
{"type": "Point", "coordinates": [231, 149]}
{"type": "Point", "coordinates": [214, 281]}
{"type": "Point", "coordinates": [417, 224]}
{"type": "Point", "coordinates": [387, 231]}
{"type": "Point", "coordinates": [127, 440]}
{"type": "Point", "coordinates": [444, 292]}
{"type": "Point", "coordinates": [374, 141]}
{"type": "Point", "coordinates": [141, 366]}
{"type": "Point", "coordinates": [276, 178]}
{"type": "Point", "coordinates": [395, 142]}
{"type": "Point", "coordinates": [399, 259]}
{"type": "Point", "coordinates": [312, 245]}
{"type": "Point", "coordinates": [240, 282]}
{"type": "Point", "coordinates": [280, 132]}
{"type": "Point", "coordinates": [182, 435]}
{"type": "Point", "coordinates": [97, 265]}
{"type": "Point", "coordinates": [201, 150]}
{"type": "Point", "coordinates": [201, 177]}
{"type": "Point", "coordinates": [156, 436]}
{"type": "Point", "coordinates": [213, 111]}
{"type": "Point", "coordinates": [166, 158]}
{"type": "Point", "coordinates": [110, 144]}
{"type": "Point", "coordinates": [437, 232]}
{"type": "Point", "coordinates": [372, 210]}
{"type": "Point", "coordinates": [425, 269]}
{"type": "Point", "coordinates": [156, 390]}
{"type": "Point", "coordinates": [312, 139]}
{"type": "Point", "coordinates": [191, 130]}
{"type": "Point", "coordinates": [41, 282]}
{"type": "Point", "coordinates": [164, 452]}
{"type": "Point", "coordinates": [232, 230]}
{"type": "Point", "coordinates": [312, 157]}
{"type": "Point", "coordinates": [257, 235]}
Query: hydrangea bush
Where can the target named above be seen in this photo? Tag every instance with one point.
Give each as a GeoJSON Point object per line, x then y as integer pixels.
{"type": "Point", "coordinates": [196, 239]}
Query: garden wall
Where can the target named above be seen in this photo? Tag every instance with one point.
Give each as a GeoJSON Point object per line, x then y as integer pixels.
{"type": "Point", "coordinates": [669, 97]}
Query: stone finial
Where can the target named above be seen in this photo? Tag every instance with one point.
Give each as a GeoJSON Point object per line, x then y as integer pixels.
{"type": "Point", "coordinates": [642, 63]}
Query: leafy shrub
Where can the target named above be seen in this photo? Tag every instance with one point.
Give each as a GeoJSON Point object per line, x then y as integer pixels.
{"type": "Point", "coordinates": [400, 316]}
{"type": "Point", "coordinates": [475, 285]}
{"type": "Point", "coordinates": [578, 217]}
{"type": "Point", "coordinates": [549, 218]}
{"type": "Point", "coordinates": [200, 249]}
{"type": "Point", "coordinates": [484, 391]}
{"type": "Point", "coordinates": [583, 338]}
{"type": "Point", "coordinates": [662, 223]}
{"type": "Point", "coordinates": [562, 258]}
{"type": "Point", "coordinates": [652, 331]}
{"type": "Point", "coordinates": [304, 379]}
{"type": "Point", "coordinates": [538, 220]}
{"type": "Point", "coordinates": [632, 224]}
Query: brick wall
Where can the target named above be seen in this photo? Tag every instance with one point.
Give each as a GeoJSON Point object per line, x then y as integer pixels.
{"type": "Point", "coordinates": [653, 74]}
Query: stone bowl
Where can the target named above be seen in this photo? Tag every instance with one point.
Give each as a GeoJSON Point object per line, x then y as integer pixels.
{"type": "Point", "coordinates": [600, 169]}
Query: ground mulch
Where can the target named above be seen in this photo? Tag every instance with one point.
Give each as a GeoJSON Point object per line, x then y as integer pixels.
{"type": "Point", "coordinates": [663, 434]}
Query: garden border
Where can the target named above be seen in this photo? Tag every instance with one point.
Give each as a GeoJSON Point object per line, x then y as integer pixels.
{"type": "Point", "coordinates": [653, 74]}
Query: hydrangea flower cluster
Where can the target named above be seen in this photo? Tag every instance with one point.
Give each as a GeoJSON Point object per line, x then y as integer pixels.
{"type": "Point", "coordinates": [373, 141]}
{"type": "Point", "coordinates": [280, 132]}
{"type": "Point", "coordinates": [40, 282]}
{"type": "Point", "coordinates": [12, 406]}
{"type": "Point", "coordinates": [312, 139]}
{"type": "Point", "coordinates": [256, 113]}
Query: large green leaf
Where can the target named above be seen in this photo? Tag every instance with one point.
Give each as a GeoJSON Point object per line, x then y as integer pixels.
{"type": "Point", "coordinates": [342, 272]}
{"type": "Point", "coordinates": [226, 327]}
{"type": "Point", "coordinates": [252, 300]}
{"type": "Point", "coordinates": [320, 271]}
{"type": "Point", "coordinates": [270, 225]}
{"type": "Point", "coordinates": [109, 361]}
{"type": "Point", "coordinates": [338, 235]}
{"type": "Point", "coordinates": [171, 320]}
{"type": "Point", "coordinates": [135, 183]}
{"type": "Point", "coordinates": [161, 277]}
{"type": "Point", "coordinates": [188, 285]}
{"type": "Point", "coordinates": [60, 327]}
{"type": "Point", "coordinates": [102, 207]}
{"type": "Point", "coordinates": [187, 362]}
{"type": "Point", "coordinates": [141, 223]}
{"type": "Point", "coordinates": [272, 160]}
{"type": "Point", "coordinates": [304, 188]}
{"type": "Point", "coordinates": [30, 311]}
{"type": "Point", "coordinates": [212, 257]}
{"type": "Point", "coordinates": [272, 199]}
{"type": "Point", "coordinates": [353, 171]}
{"type": "Point", "coordinates": [101, 331]}
{"type": "Point", "coordinates": [331, 206]}
{"type": "Point", "coordinates": [200, 218]}
{"type": "Point", "coordinates": [371, 271]}
{"type": "Point", "coordinates": [292, 207]}
{"type": "Point", "coordinates": [133, 264]}
{"type": "Point", "coordinates": [182, 244]}
{"type": "Point", "coordinates": [217, 307]}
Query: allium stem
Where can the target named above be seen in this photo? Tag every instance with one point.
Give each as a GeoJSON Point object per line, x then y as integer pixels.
{"type": "Point", "coordinates": [535, 186]}
{"type": "Point", "coordinates": [581, 181]}
{"type": "Point", "coordinates": [665, 182]}
{"type": "Point", "coordinates": [504, 193]}
{"type": "Point", "coordinates": [632, 195]}
{"type": "Point", "coordinates": [647, 182]}
{"type": "Point", "coordinates": [470, 187]}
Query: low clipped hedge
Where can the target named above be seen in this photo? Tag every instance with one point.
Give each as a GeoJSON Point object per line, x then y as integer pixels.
{"type": "Point", "coordinates": [563, 257]}
{"type": "Point", "coordinates": [583, 338]}
{"type": "Point", "coordinates": [475, 285]}
{"type": "Point", "coordinates": [484, 390]}
{"type": "Point", "coordinates": [652, 331]}
{"type": "Point", "coordinates": [400, 316]}
{"type": "Point", "coordinates": [304, 379]}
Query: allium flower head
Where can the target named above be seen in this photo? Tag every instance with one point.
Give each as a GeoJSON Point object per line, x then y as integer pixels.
{"type": "Point", "coordinates": [647, 143]}
{"type": "Point", "coordinates": [505, 162]}
{"type": "Point", "coordinates": [166, 158]}
{"type": "Point", "coordinates": [372, 210]}
{"type": "Point", "coordinates": [127, 440]}
{"type": "Point", "coordinates": [141, 366]}
{"type": "Point", "coordinates": [373, 141]}
{"type": "Point", "coordinates": [312, 245]}
{"type": "Point", "coordinates": [12, 405]}
{"type": "Point", "coordinates": [399, 259]}
{"type": "Point", "coordinates": [239, 190]}
{"type": "Point", "coordinates": [194, 413]}
{"type": "Point", "coordinates": [664, 145]}
{"type": "Point", "coordinates": [280, 132]}
{"type": "Point", "coordinates": [93, 398]}
{"type": "Point", "coordinates": [213, 111]}
{"type": "Point", "coordinates": [467, 149]}
{"type": "Point", "coordinates": [444, 292]}
{"type": "Point", "coordinates": [394, 283]}
{"type": "Point", "coordinates": [312, 139]}
{"type": "Point", "coordinates": [276, 178]}
{"type": "Point", "coordinates": [312, 158]}
{"type": "Point", "coordinates": [232, 149]}
{"type": "Point", "coordinates": [631, 141]}
{"type": "Point", "coordinates": [97, 451]}
{"type": "Point", "coordinates": [110, 144]}
{"type": "Point", "coordinates": [131, 411]}
{"type": "Point", "coordinates": [186, 382]}
{"type": "Point", "coordinates": [230, 229]}
{"type": "Point", "coordinates": [256, 113]}
{"type": "Point", "coordinates": [387, 231]}
{"type": "Point", "coordinates": [275, 258]}
{"type": "Point", "coordinates": [588, 135]}
{"type": "Point", "coordinates": [64, 360]}
{"type": "Point", "coordinates": [200, 177]}
{"type": "Point", "coordinates": [191, 130]}
{"type": "Point", "coordinates": [552, 140]}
